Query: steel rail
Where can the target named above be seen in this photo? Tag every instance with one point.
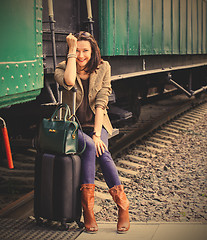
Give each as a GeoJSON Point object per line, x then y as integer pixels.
{"type": "Point", "coordinates": [138, 134]}
{"type": "Point", "coordinates": [20, 208]}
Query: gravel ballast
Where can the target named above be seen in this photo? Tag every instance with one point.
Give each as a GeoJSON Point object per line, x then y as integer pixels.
{"type": "Point", "coordinates": [173, 186]}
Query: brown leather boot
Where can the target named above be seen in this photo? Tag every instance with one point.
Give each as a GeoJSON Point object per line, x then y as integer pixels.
{"type": "Point", "coordinates": [87, 201]}
{"type": "Point", "coordinates": [119, 197]}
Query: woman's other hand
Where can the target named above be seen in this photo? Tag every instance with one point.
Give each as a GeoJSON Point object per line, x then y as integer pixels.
{"type": "Point", "coordinates": [70, 71]}
{"type": "Point", "coordinates": [100, 146]}
{"type": "Point", "coordinates": [72, 43]}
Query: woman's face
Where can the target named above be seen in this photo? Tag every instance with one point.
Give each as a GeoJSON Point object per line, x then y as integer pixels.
{"type": "Point", "coordinates": [83, 53]}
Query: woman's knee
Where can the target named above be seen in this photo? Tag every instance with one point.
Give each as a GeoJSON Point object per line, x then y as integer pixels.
{"type": "Point", "coordinates": [88, 140]}
{"type": "Point", "coordinates": [106, 157]}
{"type": "Point", "coordinates": [90, 145]}
{"type": "Point", "coordinates": [89, 155]}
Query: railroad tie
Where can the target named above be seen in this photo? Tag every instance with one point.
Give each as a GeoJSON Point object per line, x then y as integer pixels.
{"type": "Point", "coordinates": [169, 133]}
{"type": "Point", "coordinates": [139, 159]}
{"type": "Point", "coordinates": [126, 171]}
{"type": "Point", "coordinates": [188, 119]}
{"type": "Point", "coordinates": [101, 184]}
{"type": "Point", "coordinates": [156, 144]}
{"type": "Point", "coordinates": [131, 164]}
{"type": "Point", "coordinates": [144, 153]}
{"type": "Point", "coordinates": [160, 140]}
{"type": "Point", "coordinates": [178, 126]}
{"type": "Point", "coordinates": [105, 196]}
{"type": "Point", "coordinates": [171, 128]}
{"type": "Point", "coordinates": [123, 179]}
{"type": "Point", "coordinates": [150, 148]}
{"type": "Point", "coordinates": [185, 121]}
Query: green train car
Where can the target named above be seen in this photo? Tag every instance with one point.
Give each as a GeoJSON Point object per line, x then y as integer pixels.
{"type": "Point", "coordinates": [21, 58]}
{"type": "Point", "coordinates": [147, 42]}
{"type": "Point", "coordinates": [147, 39]}
{"type": "Point", "coordinates": [153, 27]}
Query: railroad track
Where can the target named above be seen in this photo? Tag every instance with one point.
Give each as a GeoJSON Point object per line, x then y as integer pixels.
{"type": "Point", "coordinates": [140, 155]}
{"type": "Point", "coordinates": [128, 164]}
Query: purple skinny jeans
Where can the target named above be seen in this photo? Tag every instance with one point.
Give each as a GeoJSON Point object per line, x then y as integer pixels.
{"type": "Point", "coordinates": [89, 158]}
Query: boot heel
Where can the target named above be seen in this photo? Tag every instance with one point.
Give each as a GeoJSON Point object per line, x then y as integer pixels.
{"type": "Point", "coordinates": [119, 197]}
{"type": "Point", "coordinates": [87, 201]}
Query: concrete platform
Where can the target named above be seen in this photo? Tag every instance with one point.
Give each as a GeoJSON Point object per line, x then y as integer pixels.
{"type": "Point", "coordinates": [149, 231]}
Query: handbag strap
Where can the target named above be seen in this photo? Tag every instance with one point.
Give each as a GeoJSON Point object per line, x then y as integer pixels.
{"type": "Point", "coordinates": [67, 111]}
{"type": "Point", "coordinates": [84, 140]}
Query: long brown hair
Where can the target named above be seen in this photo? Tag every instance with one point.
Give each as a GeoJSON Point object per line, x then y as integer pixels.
{"type": "Point", "coordinates": [95, 60]}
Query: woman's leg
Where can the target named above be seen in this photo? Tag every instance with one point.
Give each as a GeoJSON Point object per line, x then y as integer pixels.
{"type": "Point", "coordinates": [107, 164]}
{"type": "Point", "coordinates": [88, 158]}
{"type": "Point", "coordinates": [115, 188]}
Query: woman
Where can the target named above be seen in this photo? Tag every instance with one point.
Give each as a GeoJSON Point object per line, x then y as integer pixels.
{"type": "Point", "coordinates": [85, 70]}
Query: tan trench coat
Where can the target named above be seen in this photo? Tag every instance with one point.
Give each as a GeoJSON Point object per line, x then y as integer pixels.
{"type": "Point", "coordinates": [99, 89]}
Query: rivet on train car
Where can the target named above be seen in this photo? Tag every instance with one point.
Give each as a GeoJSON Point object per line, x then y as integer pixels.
{"type": "Point", "coordinates": [36, 74]}
{"type": "Point", "coordinates": [7, 89]}
{"type": "Point", "coordinates": [42, 73]}
{"type": "Point", "coordinates": [37, 56]}
{"type": "Point", "coordinates": [29, 74]}
{"type": "Point", "coordinates": [25, 85]}
{"type": "Point", "coordinates": [33, 84]}
{"type": "Point", "coordinates": [21, 76]}
{"type": "Point", "coordinates": [12, 77]}
{"type": "Point", "coordinates": [40, 65]}
{"type": "Point", "coordinates": [17, 87]}
{"type": "Point", "coordinates": [37, 31]}
{"type": "Point", "coordinates": [32, 64]}
{"type": "Point", "coordinates": [7, 66]}
{"type": "Point", "coordinates": [17, 65]}
{"type": "Point", "coordinates": [2, 78]}
{"type": "Point", "coordinates": [25, 65]}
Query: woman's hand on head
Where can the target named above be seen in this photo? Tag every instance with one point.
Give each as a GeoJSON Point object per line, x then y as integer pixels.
{"type": "Point", "coordinates": [100, 146]}
{"type": "Point", "coordinates": [72, 43]}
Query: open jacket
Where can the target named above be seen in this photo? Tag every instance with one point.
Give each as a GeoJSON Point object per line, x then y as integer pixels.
{"type": "Point", "coordinates": [99, 89]}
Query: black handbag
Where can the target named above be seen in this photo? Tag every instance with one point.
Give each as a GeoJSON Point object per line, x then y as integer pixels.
{"type": "Point", "coordinates": [60, 136]}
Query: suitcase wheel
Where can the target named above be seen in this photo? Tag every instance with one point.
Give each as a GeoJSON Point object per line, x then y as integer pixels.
{"type": "Point", "coordinates": [64, 226]}
{"type": "Point", "coordinates": [48, 223]}
{"type": "Point", "coordinates": [39, 221]}
{"type": "Point", "coordinates": [80, 224]}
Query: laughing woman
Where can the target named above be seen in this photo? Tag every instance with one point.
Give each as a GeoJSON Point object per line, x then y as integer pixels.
{"type": "Point", "coordinates": [85, 70]}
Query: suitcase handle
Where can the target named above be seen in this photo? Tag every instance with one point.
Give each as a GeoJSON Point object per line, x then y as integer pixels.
{"type": "Point", "coordinates": [73, 116]}
{"type": "Point", "coordinates": [74, 90]}
{"type": "Point", "coordinates": [60, 106]}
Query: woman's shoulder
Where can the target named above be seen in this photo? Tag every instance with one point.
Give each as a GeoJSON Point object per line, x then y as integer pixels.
{"type": "Point", "coordinates": [104, 65]}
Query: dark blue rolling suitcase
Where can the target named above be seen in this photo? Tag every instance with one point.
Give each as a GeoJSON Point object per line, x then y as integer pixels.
{"type": "Point", "coordinates": [57, 194]}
